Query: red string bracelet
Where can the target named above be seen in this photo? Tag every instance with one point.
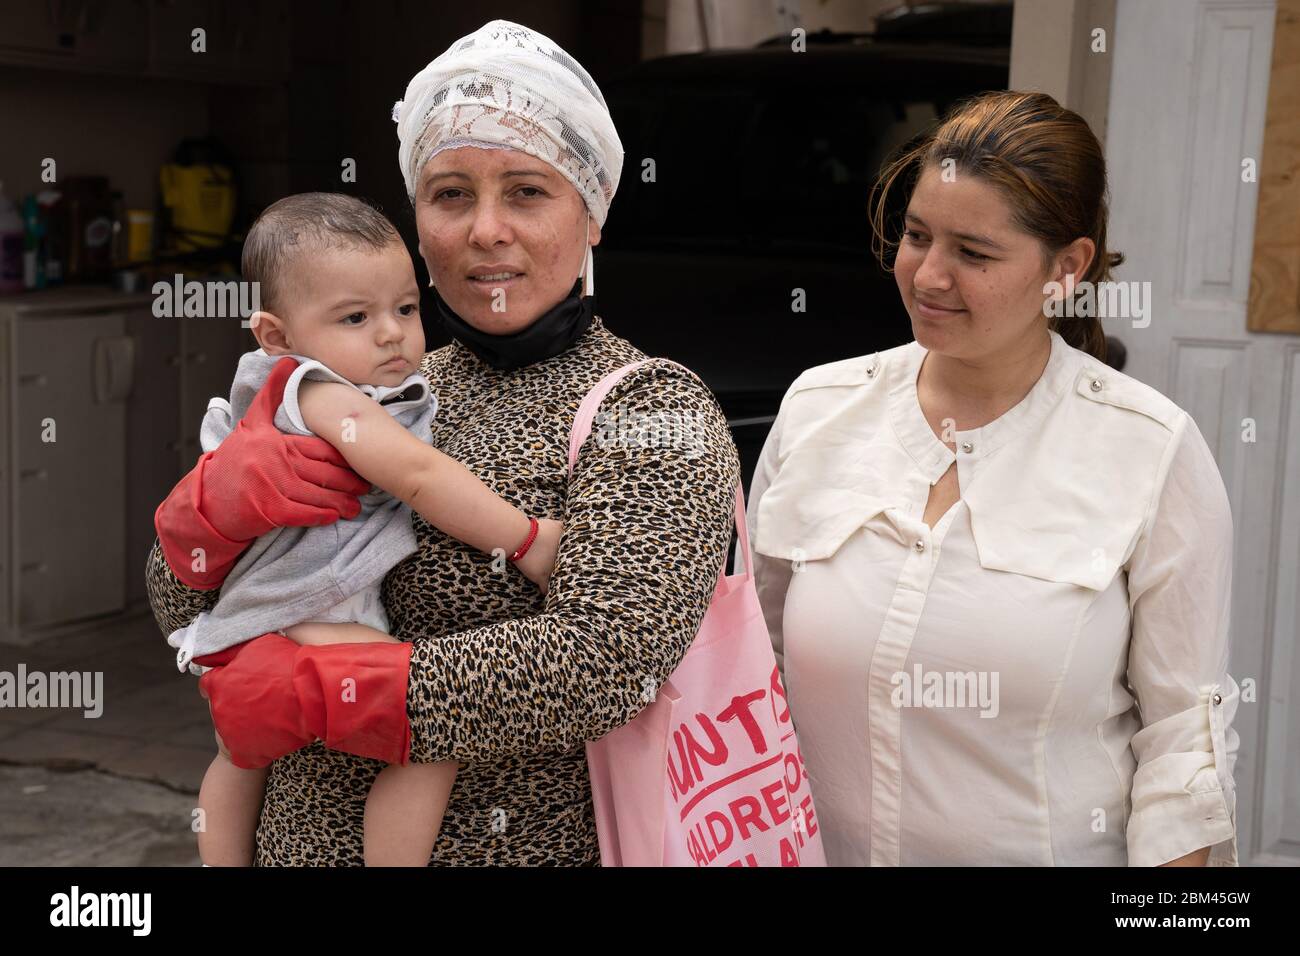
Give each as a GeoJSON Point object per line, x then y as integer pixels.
{"type": "Point", "coordinates": [528, 542]}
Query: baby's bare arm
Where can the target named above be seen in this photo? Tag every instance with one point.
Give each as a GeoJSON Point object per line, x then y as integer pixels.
{"type": "Point", "coordinates": [439, 488]}
{"type": "Point", "coordinates": [315, 632]}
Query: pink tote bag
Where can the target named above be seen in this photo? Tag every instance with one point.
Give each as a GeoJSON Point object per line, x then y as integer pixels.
{"type": "Point", "coordinates": [710, 773]}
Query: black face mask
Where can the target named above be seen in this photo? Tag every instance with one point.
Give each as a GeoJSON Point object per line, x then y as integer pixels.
{"type": "Point", "coordinates": [555, 331]}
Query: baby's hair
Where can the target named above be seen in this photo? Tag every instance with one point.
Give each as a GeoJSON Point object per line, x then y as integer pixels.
{"type": "Point", "coordinates": [303, 222]}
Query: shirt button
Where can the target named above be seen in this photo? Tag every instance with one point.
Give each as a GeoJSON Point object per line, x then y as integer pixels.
{"type": "Point", "coordinates": [1095, 385]}
{"type": "Point", "coordinates": [1218, 699]}
{"type": "Point", "coordinates": [967, 447]}
{"type": "Point", "coordinates": [920, 545]}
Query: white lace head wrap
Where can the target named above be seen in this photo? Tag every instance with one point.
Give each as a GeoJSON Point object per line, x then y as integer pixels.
{"type": "Point", "coordinates": [506, 86]}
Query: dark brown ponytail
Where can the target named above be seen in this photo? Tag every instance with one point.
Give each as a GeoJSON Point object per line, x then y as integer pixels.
{"type": "Point", "coordinates": [1047, 163]}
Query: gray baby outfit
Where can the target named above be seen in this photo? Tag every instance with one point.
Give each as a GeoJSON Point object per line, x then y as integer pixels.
{"type": "Point", "coordinates": [320, 573]}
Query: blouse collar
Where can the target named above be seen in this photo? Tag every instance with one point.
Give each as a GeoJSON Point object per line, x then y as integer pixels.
{"type": "Point", "coordinates": [931, 455]}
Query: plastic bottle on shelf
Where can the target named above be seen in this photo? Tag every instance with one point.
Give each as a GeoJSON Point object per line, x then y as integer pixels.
{"type": "Point", "coordinates": [11, 246]}
{"type": "Point", "coordinates": [33, 244]}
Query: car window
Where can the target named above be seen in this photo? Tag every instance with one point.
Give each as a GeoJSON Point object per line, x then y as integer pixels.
{"type": "Point", "coordinates": [756, 169]}
{"type": "Point", "coordinates": [810, 180]}
{"type": "Point", "coordinates": [681, 138]}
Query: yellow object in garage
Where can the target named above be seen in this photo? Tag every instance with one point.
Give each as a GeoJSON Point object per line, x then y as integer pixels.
{"type": "Point", "coordinates": [201, 200]}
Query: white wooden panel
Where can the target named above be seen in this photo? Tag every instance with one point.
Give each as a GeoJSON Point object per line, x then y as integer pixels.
{"type": "Point", "coordinates": [1210, 382]}
{"type": "Point", "coordinates": [1280, 816]}
{"type": "Point", "coordinates": [1189, 90]}
{"type": "Point", "coordinates": [1230, 77]}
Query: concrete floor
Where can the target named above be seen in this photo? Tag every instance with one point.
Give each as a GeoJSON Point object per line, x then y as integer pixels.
{"type": "Point", "coordinates": [114, 790]}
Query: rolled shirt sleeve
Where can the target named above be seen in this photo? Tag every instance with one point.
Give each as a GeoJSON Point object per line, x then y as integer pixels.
{"type": "Point", "coordinates": [1179, 579]}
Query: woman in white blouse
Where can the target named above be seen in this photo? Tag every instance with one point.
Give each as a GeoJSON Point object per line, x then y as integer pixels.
{"type": "Point", "coordinates": [996, 572]}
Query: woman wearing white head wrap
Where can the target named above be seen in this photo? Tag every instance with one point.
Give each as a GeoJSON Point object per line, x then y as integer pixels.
{"type": "Point", "coordinates": [507, 86]}
{"type": "Point", "coordinates": [511, 161]}
{"type": "Point", "coordinates": [509, 154]}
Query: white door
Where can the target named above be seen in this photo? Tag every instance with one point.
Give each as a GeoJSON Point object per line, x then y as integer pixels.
{"type": "Point", "coordinates": [1188, 96]}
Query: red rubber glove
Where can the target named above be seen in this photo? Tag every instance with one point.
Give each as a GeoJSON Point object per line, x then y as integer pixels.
{"type": "Point", "coordinates": [270, 697]}
{"type": "Point", "coordinates": [257, 479]}
{"type": "Point", "coordinates": [250, 694]}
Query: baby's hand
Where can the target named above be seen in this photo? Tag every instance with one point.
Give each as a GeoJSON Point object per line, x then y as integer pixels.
{"type": "Point", "coordinates": [536, 565]}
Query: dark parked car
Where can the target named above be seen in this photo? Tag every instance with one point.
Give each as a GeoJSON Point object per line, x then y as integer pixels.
{"type": "Point", "coordinates": [745, 189]}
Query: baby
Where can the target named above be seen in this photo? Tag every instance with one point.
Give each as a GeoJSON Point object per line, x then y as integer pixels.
{"type": "Point", "coordinates": [339, 293]}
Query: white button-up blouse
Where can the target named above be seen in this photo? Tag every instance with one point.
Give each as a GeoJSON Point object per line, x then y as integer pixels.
{"type": "Point", "coordinates": [1040, 679]}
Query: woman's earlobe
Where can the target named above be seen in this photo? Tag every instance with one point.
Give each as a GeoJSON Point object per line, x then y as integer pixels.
{"type": "Point", "coordinates": [1077, 259]}
{"type": "Point", "coordinates": [419, 248]}
{"type": "Point", "coordinates": [593, 233]}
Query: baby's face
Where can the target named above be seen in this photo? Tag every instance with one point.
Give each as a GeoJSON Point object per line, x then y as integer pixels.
{"type": "Point", "coordinates": [357, 310]}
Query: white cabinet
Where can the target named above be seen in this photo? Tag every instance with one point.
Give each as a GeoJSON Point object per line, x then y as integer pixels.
{"type": "Point", "coordinates": [122, 393]}
{"type": "Point", "coordinates": [69, 441]}
{"type": "Point", "coordinates": [69, 366]}
{"type": "Point", "coordinates": [153, 446]}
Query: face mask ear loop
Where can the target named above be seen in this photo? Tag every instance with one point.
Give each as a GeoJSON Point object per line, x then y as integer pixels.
{"type": "Point", "coordinates": [589, 266]}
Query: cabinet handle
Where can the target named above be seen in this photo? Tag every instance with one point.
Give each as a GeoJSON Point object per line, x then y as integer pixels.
{"type": "Point", "coordinates": [173, 360]}
{"type": "Point", "coordinates": [113, 368]}
{"type": "Point", "coordinates": [197, 357]}
{"type": "Point", "coordinates": [35, 378]}
{"type": "Point", "coordinates": [39, 567]}
{"type": "Point", "coordinates": [40, 473]}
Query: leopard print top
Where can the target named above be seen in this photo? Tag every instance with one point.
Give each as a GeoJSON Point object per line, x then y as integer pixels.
{"type": "Point", "coordinates": [503, 679]}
